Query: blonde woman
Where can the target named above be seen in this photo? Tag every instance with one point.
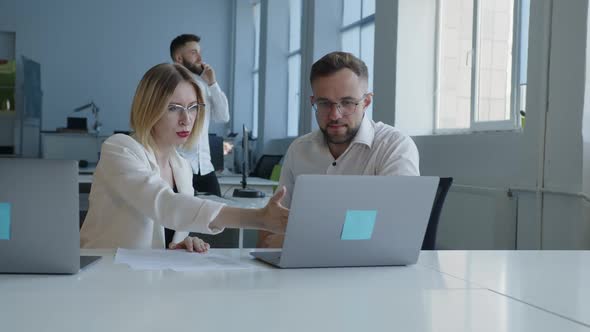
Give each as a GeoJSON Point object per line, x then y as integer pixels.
{"type": "Point", "coordinates": [142, 185]}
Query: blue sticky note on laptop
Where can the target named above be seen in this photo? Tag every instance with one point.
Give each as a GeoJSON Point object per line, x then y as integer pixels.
{"type": "Point", "coordinates": [4, 221]}
{"type": "Point", "coordinates": [358, 224]}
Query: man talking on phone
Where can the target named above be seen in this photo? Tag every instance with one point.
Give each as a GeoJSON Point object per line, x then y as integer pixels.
{"type": "Point", "coordinates": [186, 50]}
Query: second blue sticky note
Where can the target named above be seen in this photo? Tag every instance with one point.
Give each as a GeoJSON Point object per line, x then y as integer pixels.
{"type": "Point", "coordinates": [4, 221]}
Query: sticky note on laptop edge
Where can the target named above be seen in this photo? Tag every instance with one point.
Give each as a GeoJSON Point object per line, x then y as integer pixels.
{"type": "Point", "coordinates": [358, 224]}
{"type": "Point", "coordinates": [4, 221]}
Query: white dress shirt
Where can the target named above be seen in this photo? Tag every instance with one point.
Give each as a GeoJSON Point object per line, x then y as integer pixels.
{"type": "Point", "coordinates": [377, 149]}
{"type": "Point", "coordinates": [217, 110]}
{"type": "Point", "coordinates": [130, 204]}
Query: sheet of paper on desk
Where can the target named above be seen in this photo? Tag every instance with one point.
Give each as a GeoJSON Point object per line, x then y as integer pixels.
{"type": "Point", "coordinates": [177, 260]}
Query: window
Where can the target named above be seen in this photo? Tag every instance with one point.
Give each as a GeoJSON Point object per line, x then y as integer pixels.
{"type": "Point", "coordinates": [294, 67]}
{"type": "Point", "coordinates": [358, 34]}
{"type": "Point", "coordinates": [481, 77]}
{"type": "Point", "coordinates": [256, 21]}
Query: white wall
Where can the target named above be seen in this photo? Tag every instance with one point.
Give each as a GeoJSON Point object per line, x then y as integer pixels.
{"type": "Point", "coordinates": [546, 155]}
{"type": "Point", "coordinates": [100, 49]}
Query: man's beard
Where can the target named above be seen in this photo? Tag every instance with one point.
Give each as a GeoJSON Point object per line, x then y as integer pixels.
{"type": "Point", "coordinates": [347, 138]}
{"type": "Point", "coordinates": [193, 67]}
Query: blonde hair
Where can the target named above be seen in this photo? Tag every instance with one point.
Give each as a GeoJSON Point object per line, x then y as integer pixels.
{"type": "Point", "coordinates": [151, 102]}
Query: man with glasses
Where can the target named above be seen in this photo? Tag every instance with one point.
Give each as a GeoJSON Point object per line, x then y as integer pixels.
{"type": "Point", "coordinates": [186, 50]}
{"type": "Point", "coordinates": [347, 142]}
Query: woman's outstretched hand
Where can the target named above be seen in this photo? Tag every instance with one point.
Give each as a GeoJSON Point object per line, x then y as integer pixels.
{"type": "Point", "coordinates": [274, 214]}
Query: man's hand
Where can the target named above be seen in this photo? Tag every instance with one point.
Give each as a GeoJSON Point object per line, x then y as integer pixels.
{"type": "Point", "coordinates": [191, 244]}
{"type": "Point", "coordinates": [208, 74]}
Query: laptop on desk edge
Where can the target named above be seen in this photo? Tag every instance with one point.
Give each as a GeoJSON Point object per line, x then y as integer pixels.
{"type": "Point", "coordinates": [347, 221]}
{"type": "Point", "coordinates": [39, 216]}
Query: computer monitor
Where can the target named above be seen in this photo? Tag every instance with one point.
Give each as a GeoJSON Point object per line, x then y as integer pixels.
{"type": "Point", "coordinates": [245, 191]}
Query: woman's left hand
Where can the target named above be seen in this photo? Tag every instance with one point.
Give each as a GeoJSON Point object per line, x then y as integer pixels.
{"type": "Point", "coordinates": [191, 244]}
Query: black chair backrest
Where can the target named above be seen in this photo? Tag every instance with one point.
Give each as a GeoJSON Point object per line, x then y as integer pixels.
{"type": "Point", "coordinates": [216, 151]}
{"type": "Point", "coordinates": [265, 164]}
{"type": "Point", "coordinates": [439, 199]}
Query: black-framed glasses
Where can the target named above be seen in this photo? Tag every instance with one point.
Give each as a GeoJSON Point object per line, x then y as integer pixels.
{"type": "Point", "coordinates": [345, 107]}
{"type": "Point", "coordinates": [190, 109]}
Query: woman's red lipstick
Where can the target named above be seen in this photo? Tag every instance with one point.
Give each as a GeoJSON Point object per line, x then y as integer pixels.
{"type": "Point", "coordinates": [183, 134]}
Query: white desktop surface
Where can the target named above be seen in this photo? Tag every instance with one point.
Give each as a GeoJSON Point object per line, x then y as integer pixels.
{"type": "Point", "coordinates": [85, 178]}
{"type": "Point", "coordinates": [229, 200]}
{"type": "Point", "coordinates": [557, 281]}
{"type": "Point", "coordinates": [90, 169]}
{"type": "Point", "coordinates": [239, 202]}
{"type": "Point", "coordinates": [226, 182]}
{"type": "Point", "coordinates": [108, 297]}
{"type": "Point", "coordinates": [86, 173]}
{"type": "Point", "coordinates": [237, 181]}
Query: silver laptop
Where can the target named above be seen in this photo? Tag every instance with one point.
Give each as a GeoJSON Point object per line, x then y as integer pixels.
{"type": "Point", "coordinates": [39, 217]}
{"type": "Point", "coordinates": [343, 220]}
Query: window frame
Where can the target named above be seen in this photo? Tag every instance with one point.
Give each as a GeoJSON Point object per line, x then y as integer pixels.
{"type": "Point", "coordinates": [363, 22]}
{"type": "Point", "coordinates": [256, 69]}
{"type": "Point", "coordinates": [291, 54]}
{"type": "Point", "coordinates": [511, 124]}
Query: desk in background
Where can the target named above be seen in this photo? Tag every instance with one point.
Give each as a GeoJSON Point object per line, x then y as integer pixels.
{"type": "Point", "coordinates": [108, 297]}
{"type": "Point", "coordinates": [88, 169]}
{"type": "Point", "coordinates": [72, 146]}
{"type": "Point", "coordinates": [227, 183]}
{"type": "Point", "coordinates": [233, 239]}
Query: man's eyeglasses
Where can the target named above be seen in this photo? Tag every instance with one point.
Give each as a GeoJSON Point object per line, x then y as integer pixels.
{"type": "Point", "coordinates": [345, 107]}
{"type": "Point", "coordinates": [191, 109]}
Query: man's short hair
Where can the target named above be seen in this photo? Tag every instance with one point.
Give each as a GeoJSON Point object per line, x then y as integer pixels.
{"type": "Point", "coordinates": [335, 61]}
{"type": "Point", "coordinates": [179, 42]}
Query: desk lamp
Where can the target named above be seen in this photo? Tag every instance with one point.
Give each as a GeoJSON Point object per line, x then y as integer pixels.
{"type": "Point", "coordinates": [97, 125]}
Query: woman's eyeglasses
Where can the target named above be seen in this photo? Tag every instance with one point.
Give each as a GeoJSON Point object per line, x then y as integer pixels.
{"type": "Point", "coordinates": [192, 108]}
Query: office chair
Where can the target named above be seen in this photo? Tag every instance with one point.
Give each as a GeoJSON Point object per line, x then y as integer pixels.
{"type": "Point", "coordinates": [216, 151]}
{"type": "Point", "coordinates": [265, 164]}
{"type": "Point", "coordinates": [441, 193]}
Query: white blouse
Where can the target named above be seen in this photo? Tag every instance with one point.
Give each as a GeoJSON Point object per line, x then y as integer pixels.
{"type": "Point", "coordinates": [130, 204]}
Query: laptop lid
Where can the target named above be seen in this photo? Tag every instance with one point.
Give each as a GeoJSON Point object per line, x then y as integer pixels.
{"type": "Point", "coordinates": [39, 216]}
{"type": "Point", "coordinates": [344, 220]}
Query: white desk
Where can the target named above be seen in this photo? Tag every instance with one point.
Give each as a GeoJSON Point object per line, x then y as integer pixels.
{"type": "Point", "coordinates": [86, 179]}
{"type": "Point", "coordinates": [75, 146]}
{"type": "Point", "coordinates": [557, 281]}
{"type": "Point", "coordinates": [226, 183]}
{"type": "Point", "coordinates": [88, 169]}
{"type": "Point", "coordinates": [108, 297]}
